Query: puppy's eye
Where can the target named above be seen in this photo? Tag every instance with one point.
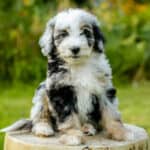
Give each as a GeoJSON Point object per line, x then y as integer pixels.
{"type": "Point", "coordinates": [62, 34]}
{"type": "Point", "coordinates": [87, 33]}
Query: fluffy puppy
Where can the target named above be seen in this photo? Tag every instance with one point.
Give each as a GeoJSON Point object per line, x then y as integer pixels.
{"type": "Point", "coordinates": [78, 87]}
{"type": "Point", "coordinates": [78, 92]}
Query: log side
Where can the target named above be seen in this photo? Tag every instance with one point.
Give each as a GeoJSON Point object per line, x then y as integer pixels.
{"type": "Point", "coordinates": [27, 141]}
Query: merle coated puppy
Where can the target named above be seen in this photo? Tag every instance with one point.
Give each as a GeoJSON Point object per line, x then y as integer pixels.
{"type": "Point", "coordinates": [78, 94]}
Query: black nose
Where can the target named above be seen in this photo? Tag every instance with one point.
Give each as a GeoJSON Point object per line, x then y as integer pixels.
{"type": "Point", "coordinates": [75, 50]}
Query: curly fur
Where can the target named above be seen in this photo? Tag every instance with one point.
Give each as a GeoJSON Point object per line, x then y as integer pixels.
{"type": "Point", "coordinates": [78, 92]}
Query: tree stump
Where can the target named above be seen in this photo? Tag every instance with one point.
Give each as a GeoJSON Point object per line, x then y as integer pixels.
{"type": "Point", "coordinates": [27, 141]}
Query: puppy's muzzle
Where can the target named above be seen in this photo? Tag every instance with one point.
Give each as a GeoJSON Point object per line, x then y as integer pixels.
{"type": "Point", "coordinates": [75, 50]}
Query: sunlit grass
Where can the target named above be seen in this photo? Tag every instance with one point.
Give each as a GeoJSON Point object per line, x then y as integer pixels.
{"type": "Point", "coordinates": [15, 103]}
{"type": "Point", "coordinates": [135, 104]}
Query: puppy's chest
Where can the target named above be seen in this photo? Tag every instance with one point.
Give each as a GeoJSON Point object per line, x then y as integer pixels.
{"type": "Point", "coordinates": [85, 89]}
{"type": "Point", "coordinates": [86, 85]}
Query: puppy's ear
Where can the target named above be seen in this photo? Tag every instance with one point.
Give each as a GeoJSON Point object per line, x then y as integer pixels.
{"type": "Point", "coordinates": [99, 39]}
{"type": "Point", "coordinates": [46, 41]}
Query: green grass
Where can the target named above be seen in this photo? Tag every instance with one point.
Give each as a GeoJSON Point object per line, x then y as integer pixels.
{"type": "Point", "coordinates": [15, 103]}
{"type": "Point", "coordinates": [135, 104]}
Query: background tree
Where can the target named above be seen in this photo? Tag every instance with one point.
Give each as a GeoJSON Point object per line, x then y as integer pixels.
{"type": "Point", "coordinates": [125, 23]}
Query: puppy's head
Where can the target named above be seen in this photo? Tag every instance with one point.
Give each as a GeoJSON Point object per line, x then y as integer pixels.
{"type": "Point", "coordinates": [73, 34]}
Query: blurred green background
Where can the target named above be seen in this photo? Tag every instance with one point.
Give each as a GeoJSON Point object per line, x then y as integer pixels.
{"type": "Point", "coordinates": [126, 26]}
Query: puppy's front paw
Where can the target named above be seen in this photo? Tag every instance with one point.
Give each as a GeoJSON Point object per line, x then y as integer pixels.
{"type": "Point", "coordinates": [88, 129]}
{"type": "Point", "coordinates": [70, 140]}
{"type": "Point", "coordinates": [72, 137]}
{"type": "Point", "coordinates": [43, 129]}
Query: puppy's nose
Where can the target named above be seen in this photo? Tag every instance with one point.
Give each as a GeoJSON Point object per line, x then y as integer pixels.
{"type": "Point", "coordinates": [75, 50]}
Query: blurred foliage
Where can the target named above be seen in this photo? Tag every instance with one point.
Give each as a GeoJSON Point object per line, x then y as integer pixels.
{"type": "Point", "coordinates": [127, 28]}
{"type": "Point", "coordinates": [125, 23]}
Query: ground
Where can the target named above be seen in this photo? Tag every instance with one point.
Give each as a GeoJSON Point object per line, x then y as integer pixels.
{"type": "Point", "coordinates": [15, 103]}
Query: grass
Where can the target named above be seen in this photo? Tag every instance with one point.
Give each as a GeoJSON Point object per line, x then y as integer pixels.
{"type": "Point", "coordinates": [15, 103]}
{"type": "Point", "coordinates": [135, 104]}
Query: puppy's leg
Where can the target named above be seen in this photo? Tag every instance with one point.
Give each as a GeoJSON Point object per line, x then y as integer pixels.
{"type": "Point", "coordinates": [111, 122]}
{"type": "Point", "coordinates": [71, 121]}
{"type": "Point", "coordinates": [70, 129]}
{"type": "Point", "coordinates": [88, 129]}
{"type": "Point", "coordinates": [40, 114]}
{"type": "Point", "coordinates": [72, 137]}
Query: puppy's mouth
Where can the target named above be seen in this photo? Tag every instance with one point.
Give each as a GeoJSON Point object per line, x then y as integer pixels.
{"type": "Point", "coordinates": [76, 59]}
{"type": "Point", "coordinates": [75, 56]}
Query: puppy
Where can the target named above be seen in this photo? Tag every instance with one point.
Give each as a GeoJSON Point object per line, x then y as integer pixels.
{"type": "Point", "coordinates": [78, 95]}
{"type": "Point", "coordinates": [78, 88]}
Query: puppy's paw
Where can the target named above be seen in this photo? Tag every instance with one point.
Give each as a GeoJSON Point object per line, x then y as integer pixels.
{"type": "Point", "coordinates": [70, 139]}
{"type": "Point", "coordinates": [43, 129]}
{"type": "Point", "coordinates": [121, 134]}
{"type": "Point", "coordinates": [118, 136]}
{"type": "Point", "coordinates": [115, 130]}
{"type": "Point", "coordinates": [64, 126]}
{"type": "Point", "coordinates": [88, 129]}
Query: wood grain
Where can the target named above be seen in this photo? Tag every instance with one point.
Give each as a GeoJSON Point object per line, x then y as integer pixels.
{"type": "Point", "coordinates": [27, 141]}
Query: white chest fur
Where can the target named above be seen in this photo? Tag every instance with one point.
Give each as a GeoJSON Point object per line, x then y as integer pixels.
{"type": "Point", "coordinates": [85, 85]}
{"type": "Point", "coordinates": [88, 80]}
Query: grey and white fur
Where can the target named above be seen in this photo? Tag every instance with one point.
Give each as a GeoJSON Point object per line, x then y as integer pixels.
{"type": "Point", "coordinates": [78, 96]}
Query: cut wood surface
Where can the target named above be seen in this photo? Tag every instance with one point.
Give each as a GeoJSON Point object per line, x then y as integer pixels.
{"type": "Point", "coordinates": [27, 141]}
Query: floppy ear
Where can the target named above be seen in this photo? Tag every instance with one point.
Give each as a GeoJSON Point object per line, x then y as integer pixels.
{"type": "Point", "coordinates": [99, 39]}
{"type": "Point", "coordinates": [46, 41]}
